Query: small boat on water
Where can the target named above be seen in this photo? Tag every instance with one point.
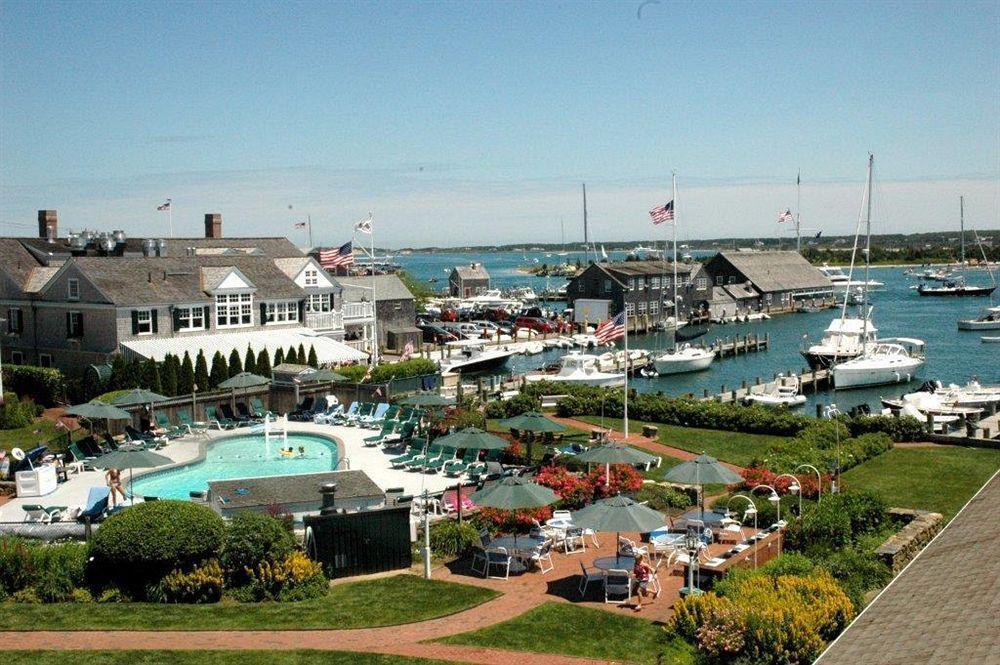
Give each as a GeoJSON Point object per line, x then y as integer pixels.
{"type": "Point", "coordinates": [989, 319]}
{"type": "Point", "coordinates": [888, 361]}
{"type": "Point", "coordinates": [532, 348]}
{"type": "Point", "coordinates": [581, 369]}
{"type": "Point", "coordinates": [985, 339]}
{"type": "Point", "coordinates": [472, 355]}
{"type": "Point", "coordinates": [843, 282]}
{"type": "Point", "coordinates": [955, 286]}
{"type": "Point", "coordinates": [779, 396]}
{"type": "Point", "coordinates": [844, 338]}
{"type": "Point", "coordinates": [683, 358]}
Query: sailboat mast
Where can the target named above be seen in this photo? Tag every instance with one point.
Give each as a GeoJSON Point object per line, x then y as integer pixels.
{"type": "Point", "coordinates": [586, 243]}
{"type": "Point", "coordinates": [868, 246]}
{"type": "Point", "coordinates": [798, 212]}
{"type": "Point", "coordinates": [673, 181]}
{"type": "Point", "coordinates": [961, 217]}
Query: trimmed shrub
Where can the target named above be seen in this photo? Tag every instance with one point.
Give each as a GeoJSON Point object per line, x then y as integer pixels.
{"type": "Point", "coordinates": [451, 539]}
{"type": "Point", "coordinates": [16, 565]}
{"type": "Point", "coordinates": [202, 584]}
{"type": "Point", "coordinates": [296, 577]}
{"type": "Point", "coordinates": [45, 385]}
{"type": "Point", "coordinates": [15, 414]}
{"type": "Point", "coordinates": [902, 428]}
{"type": "Point", "coordinates": [515, 406]}
{"type": "Point", "coordinates": [388, 371]}
{"type": "Point", "coordinates": [136, 548]}
{"type": "Point", "coordinates": [663, 498]}
{"type": "Point", "coordinates": [510, 521]}
{"type": "Point", "coordinates": [836, 522]}
{"type": "Point", "coordinates": [251, 538]}
{"type": "Point", "coordinates": [857, 572]}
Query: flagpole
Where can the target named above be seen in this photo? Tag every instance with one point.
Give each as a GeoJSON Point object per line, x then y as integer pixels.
{"type": "Point", "coordinates": [310, 223]}
{"type": "Point", "coordinates": [371, 230]}
{"type": "Point", "coordinates": [673, 223]}
{"type": "Point", "coordinates": [798, 212]}
{"type": "Point", "coordinates": [170, 219]}
{"type": "Point", "coordinates": [626, 373]}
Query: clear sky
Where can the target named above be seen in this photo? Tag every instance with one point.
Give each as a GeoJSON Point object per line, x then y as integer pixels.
{"type": "Point", "coordinates": [476, 122]}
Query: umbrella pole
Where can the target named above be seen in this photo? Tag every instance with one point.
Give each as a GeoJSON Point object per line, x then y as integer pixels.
{"type": "Point", "coordinates": [131, 486]}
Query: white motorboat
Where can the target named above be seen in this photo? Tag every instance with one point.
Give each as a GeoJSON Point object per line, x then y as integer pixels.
{"type": "Point", "coordinates": [888, 361]}
{"type": "Point", "coordinates": [586, 341]}
{"type": "Point", "coordinates": [987, 320]}
{"type": "Point", "coordinates": [581, 369]}
{"type": "Point", "coordinates": [843, 282]}
{"type": "Point", "coordinates": [491, 298]}
{"type": "Point", "coordinates": [986, 339]}
{"type": "Point", "coordinates": [940, 407]}
{"type": "Point", "coordinates": [472, 355]}
{"type": "Point", "coordinates": [845, 338]}
{"type": "Point", "coordinates": [780, 396]}
{"type": "Point", "coordinates": [682, 359]}
{"type": "Point", "coordinates": [973, 394]}
{"type": "Point", "coordinates": [532, 348]}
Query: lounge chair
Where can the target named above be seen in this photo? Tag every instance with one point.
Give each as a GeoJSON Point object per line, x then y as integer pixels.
{"type": "Point", "coordinates": [344, 416]}
{"type": "Point", "coordinates": [328, 417]}
{"type": "Point", "coordinates": [80, 456]}
{"type": "Point", "coordinates": [97, 504]}
{"type": "Point", "coordinates": [231, 415]}
{"type": "Point", "coordinates": [90, 446]}
{"type": "Point", "coordinates": [305, 405]}
{"type": "Point", "coordinates": [212, 416]}
{"type": "Point", "coordinates": [365, 410]}
{"type": "Point", "coordinates": [375, 418]}
{"type": "Point", "coordinates": [167, 429]}
{"type": "Point", "coordinates": [142, 438]}
{"type": "Point", "coordinates": [184, 418]}
{"type": "Point", "coordinates": [401, 436]}
{"type": "Point", "coordinates": [457, 467]}
{"type": "Point", "coordinates": [418, 462]}
{"type": "Point", "coordinates": [245, 413]}
{"type": "Point", "coordinates": [480, 470]}
{"type": "Point", "coordinates": [416, 448]}
{"type": "Point", "coordinates": [436, 464]}
{"type": "Point", "coordinates": [109, 442]}
{"type": "Point", "coordinates": [258, 410]}
{"type": "Point", "coordinates": [34, 512]}
{"type": "Point", "coordinates": [378, 438]}
{"type": "Point", "coordinates": [319, 406]}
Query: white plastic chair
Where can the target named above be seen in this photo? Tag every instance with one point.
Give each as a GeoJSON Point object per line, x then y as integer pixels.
{"type": "Point", "coordinates": [586, 577]}
{"type": "Point", "coordinates": [618, 582]}
{"type": "Point", "coordinates": [573, 542]}
{"type": "Point", "coordinates": [543, 556]}
{"type": "Point", "coordinates": [498, 556]}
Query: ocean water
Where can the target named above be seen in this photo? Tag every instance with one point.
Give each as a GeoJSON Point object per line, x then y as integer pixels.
{"type": "Point", "coordinates": [953, 356]}
{"type": "Point", "coordinates": [244, 456]}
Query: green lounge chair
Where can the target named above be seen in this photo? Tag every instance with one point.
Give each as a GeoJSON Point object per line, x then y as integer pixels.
{"type": "Point", "coordinates": [457, 467]}
{"type": "Point", "coordinates": [416, 448]}
{"type": "Point", "coordinates": [184, 418]}
{"type": "Point", "coordinates": [170, 430]}
{"type": "Point", "coordinates": [365, 410]}
{"type": "Point", "coordinates": [478, 470]}
{"type": "Point", "coordinates": [213, 418]}
{"type": "Point", "coordinates": [80, 456]}
{"type": "Point", "coordinates": [418, 462]}
{"type": "Point", "coordinates": [447, 455]}
{"type": "Point", "coordinates": [403, 434]}
{"type": "Point", "coordinates": [34, 512]}
{"type": "Point", "coordinates": [257, 406]}
{"type": "Point", "coordinates": [387, 429]}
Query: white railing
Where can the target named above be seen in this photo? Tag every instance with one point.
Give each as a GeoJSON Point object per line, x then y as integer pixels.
{"type": "Point", "coordinates": [358, 344]}
{"type": "Point", "coordinates": [325, 320]}
{"type": "Point", "coordinates": [356, 311]}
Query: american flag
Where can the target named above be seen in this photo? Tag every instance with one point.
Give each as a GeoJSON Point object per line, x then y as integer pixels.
{"type": "Point", "coordinates": [663, 213]}
{"type": "Point", "coordinates": [785, 216]}
{"type": "Point", "coordinates": [611, 329]}
{"type": "Point", "coordinates": [300, 225]}
{"type": "Point", "coordinates": [165, 206]}
{"type": "Point", "coordinates": [335, 258]}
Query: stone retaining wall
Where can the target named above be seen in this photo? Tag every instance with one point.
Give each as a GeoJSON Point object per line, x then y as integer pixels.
{"type": "Point", "coordinates": [921, 526]}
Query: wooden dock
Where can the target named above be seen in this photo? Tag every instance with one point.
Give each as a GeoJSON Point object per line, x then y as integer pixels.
{"type": "Point", "coordinates": [736, 346]}
{"type": "Point", "coordinates": [808, 380]}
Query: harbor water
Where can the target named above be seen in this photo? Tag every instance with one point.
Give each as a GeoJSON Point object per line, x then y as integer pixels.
{"type": "Point", "coordinates": [953, 356]}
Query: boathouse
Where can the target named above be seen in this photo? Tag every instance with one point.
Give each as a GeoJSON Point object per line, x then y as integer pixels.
{"type": "Point", "coordinates": [778, 278]}
{"type": "Point", "coordinates": [468, 280]}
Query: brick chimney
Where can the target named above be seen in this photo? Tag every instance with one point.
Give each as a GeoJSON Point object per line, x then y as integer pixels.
{"type": "Point", "coordinates": [213, 225]}
{"type": "Point", "coordinates": [48, 225]}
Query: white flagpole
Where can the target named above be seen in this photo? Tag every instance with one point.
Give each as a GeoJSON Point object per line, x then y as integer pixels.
{"type": "Point", "coordinates": [626, 373]}
{"type": "Point", "coordinates": [673, 223]}
{"type": "Point", "coordinates": [371, 231]}
{"type": "Point", "coordinates": [170, 217]}
{"type": "Point", "coordinates": [798, 212]}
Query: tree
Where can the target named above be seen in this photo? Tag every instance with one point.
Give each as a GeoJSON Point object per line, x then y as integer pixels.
{"type": "Point", "coordinates": [151, 376]}
{"type": "Point", "coordinates": [185, 377]}
{"type": "Point", "coordinates": [168, 375]}
{"type": "Point", "coordinates": [300, 357]}
{"type": "Point", "coordinates": [250, 362]}
{"type": "Point", "coordinates": [133, 373]}
{"type": "Point", "coordinates": [235, 364]}
{"type": "Point", "coordinates": [264, 363]}
{"type": "Point", "coordinates": [279, 356]}
{"type": "Point", "coordinates": [116, 381]}
{"type": "Point", "coordinates": [291, 356]}
{"type": "Point", "coordinates": [312, 361]}
{"type": "Point", "coordinates": [220, 370]}
{"type": "Point", "coordinates": [201, 371]}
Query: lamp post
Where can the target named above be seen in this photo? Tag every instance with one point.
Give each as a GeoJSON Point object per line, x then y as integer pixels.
{"type": "Point", "coordinates": [773, 498]}
{"type": "Point", "coordinates": [751, 510]}
{"type": "Point", "coordinates": [692, 543]}
{"type": "Point", "coordinates": [819, 481]}
{"type": "Point", "coordinates": [795, 487]}
{"type": "Point", "coordinates": [831, 413]}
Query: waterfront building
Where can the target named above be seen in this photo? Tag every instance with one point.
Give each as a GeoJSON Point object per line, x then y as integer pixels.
{"type": "Point", "coordinates": [395, 307]}
{"type": "Point", "coordinates": [778, 278]}
{"type": "Point", "coordinates": [469, 280]}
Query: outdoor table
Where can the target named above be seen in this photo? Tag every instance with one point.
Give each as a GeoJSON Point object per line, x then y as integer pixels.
{"type": "Point", "coordinates": [519, 548]}
{"type": "Point", "coordinates": [666, 539]}
{"type": "Point", "coordinates": [615, 562]}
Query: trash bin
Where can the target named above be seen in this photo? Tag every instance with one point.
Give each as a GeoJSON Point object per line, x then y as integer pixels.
{"type": "Point", "coordinates": [650, 431]}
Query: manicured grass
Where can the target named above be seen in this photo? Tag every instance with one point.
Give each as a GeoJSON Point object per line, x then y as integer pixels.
{"type": "Point", "coordinates": [383, 602]}
{"type": "Point", "coordinates": [580, 631]}
{"type": "Point", "coordinates": [42, 431]}
{"type": "Point", "coordinates": [135, 657]}
{"type": "Point", "coordinates": [937, 478]}
{"type": "Point", "coordinates": [733, 447]}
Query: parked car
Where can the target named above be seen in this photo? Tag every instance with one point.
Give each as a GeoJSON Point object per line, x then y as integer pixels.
{"type": "Point", "coordinates": [535, 323]}
{"type": "Point", "coordinates": [436, 334]}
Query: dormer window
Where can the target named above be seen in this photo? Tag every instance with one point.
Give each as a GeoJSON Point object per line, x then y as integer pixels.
{"type": "Point", "coordinates": [72, 289]}
{"type": "Point", "coordinates": [233, 310]}
{"type": "Point", "coordinates": [312, 277]}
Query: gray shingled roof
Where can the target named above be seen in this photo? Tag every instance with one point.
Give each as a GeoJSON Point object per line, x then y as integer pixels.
{"type": "Point", "coordinates": [301, 488]}
{"type": "Point", "coordinates": [636, 268]}
{"type": "Point", "coordinates": [388, 287]}
{"type": "Point", "coordinates": [472, 271]}
{"type": "Point", "coordinates": [292, 266]}
{"type": "Point", "coordinates": [16, 261]}
{"type": "Point", "coordinates": [39, 277]}
{"type": "Point", "coordinates": [777, 270]}
{"type": "Point", "coordinates": [943, 607]}
{"type": "Point", "coordinates": [175, 247]}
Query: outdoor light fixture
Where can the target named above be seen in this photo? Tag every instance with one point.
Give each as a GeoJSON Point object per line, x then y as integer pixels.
{"type": "Point", "coordinates": [751, 511]}
{"type": "Point", "coordinates": [772, 497]}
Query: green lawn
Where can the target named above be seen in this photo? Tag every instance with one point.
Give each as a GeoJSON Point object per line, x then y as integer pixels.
{"type": "Point", "coordinates": [580, 631]}
{"type": "Point", "coordinates": [938, 478]}
{"type": "Point", "coordinates": [382, 602]}
{"type": "Point", "coordinates": [135, 657]}
{"type": "Point", "coordinates": [733, 447]}
{"type": "Point", "coordinates": [39, 432]}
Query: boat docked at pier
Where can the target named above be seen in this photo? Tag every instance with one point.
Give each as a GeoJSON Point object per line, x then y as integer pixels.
{"type": "Point", "coordinates": [473, 355]}
{"type": "Point", "coordinates": [844, 282]}
{"type": "Point", "coordinates": [888, 361]}
{"type": "Point", "coordinates": [779, 396]}
{"type": "Point", "coordinates": [581, 369]}
{"type": "Point", "coordinates": [683, 358]}
{"type": "Point", "coordinates": [844, 339]}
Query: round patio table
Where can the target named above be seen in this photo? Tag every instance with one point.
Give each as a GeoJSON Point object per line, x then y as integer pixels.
{"type": "Point", "coordinates": [615, 562]}
{"type": "Point", "coordinates": [519, 548]}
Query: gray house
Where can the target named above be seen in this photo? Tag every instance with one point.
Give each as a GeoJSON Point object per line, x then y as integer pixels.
{"type": "Point", "coordinates": [396, 310]}
{"type": "Point", "coordinates": [468, 280]}
{"type": "Point", "coordinates": [778, 278]}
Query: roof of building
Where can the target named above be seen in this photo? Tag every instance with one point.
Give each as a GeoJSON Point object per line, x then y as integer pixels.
{"type": "Point", "coordinates": [328, 350]}
{"type": "Point", "coordinates": [39, 277]}
{"type": "Point", "coordinates": [741, 291]}
{"type": "Point", "coordinates": [657, 268]}
{"type": "Point", "coordinates": [387, 287]}
{"type": "Point", "coordinates": [721, 297]}
{"type": "Point", "coordinates": [133, 247]}
{"type": "Point", "coordinates": [943, 606]}
{"type": "Point", "coordinates": [292, 489]}
{"type": "Point", "coordinates": [292, 266]}
{"type": "Point", "coordinates": [16, 261]}
{"type": "Point", "coordinates": [471, 271]}
{"type": "Point", "coordinates": [777, 270]}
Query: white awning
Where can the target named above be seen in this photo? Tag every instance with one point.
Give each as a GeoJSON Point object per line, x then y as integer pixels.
{"type": "Point", "coordinates": [328, 350]}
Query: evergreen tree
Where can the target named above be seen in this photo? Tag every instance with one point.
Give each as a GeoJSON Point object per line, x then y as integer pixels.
{"type": "Point", "coordinates": [291, 356]}
{"type": "Point", "coordinates": [300, 357]}
{"type": "Point", "coordinates": [118, 368]}
{"type": "Point", "coordinates": [250, 362]}
{"type": "Point", "coordinates": [168, 375]}
{"type": "Point", "coordinates": [133, 374]}
{"type": "Point", "coordinates": [279, 356]}
{"type": "Point", "coordinates": [201, 371]}
{"type": "Point", "coordinates": [151, 376]}
{"type": "Point", "coordinates": [264, 363]}
{"type": "Point", "coordinates": [235, 364]}
{"type": "Point", "coordinates": [185, 377]}
{"type": "Point", "coordinates": [313, 361]}
{"type": "Point", "coordinates": [220, 370]}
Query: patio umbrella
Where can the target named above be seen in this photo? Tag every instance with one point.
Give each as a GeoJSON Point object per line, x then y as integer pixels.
{"type": "Point", "coordinates": [98, 410]}
{"type": "Point", "coordinates": [244, 380]}
{"type": "Point", "coordinates": [534, 422]}
{"type": "Point", "coordinates": [131, 459]}
{"type": "Point", "coordinates": [513, 493]}
{"type": "Point", "coordinates": [472, 437]}
{"type": "Point", "coordinates": [427, 399]}
{"type": "Point", "coordinates": [614, 453]}
{"type": "Point", "coordinates": [323, 374]}
{"type": "Point", "coordinates": [618, 513]}
{"type": "Point", "coordinates": [702, 470]}
{"type": "Point", "coordinates": [138, 396]}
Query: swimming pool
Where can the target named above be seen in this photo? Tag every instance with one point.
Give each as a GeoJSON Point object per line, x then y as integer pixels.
{"type": "Point", "coordinates": [240, 457]}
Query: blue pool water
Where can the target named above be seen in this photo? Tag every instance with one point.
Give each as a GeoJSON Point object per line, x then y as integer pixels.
{"type": "Point", "coordinates": [240, 457]}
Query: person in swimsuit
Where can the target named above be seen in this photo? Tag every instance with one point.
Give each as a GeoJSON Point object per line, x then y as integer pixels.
{"type": "Point", "coordinates": [114, 480]}
{"type": "Point", "coordinates": [643, 574]}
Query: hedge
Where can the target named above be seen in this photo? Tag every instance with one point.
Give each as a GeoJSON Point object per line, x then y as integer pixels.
{"type": "Point", "coordinates": [251, 538]}
{"type": "Point", "coordinates": [390, 371]}
{"type": "Point", "coordinates": [45, 385]}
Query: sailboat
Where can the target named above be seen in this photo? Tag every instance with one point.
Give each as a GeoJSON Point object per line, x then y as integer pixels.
{"type": "Point", "coordinates": [956, 286]}
{"type": "Point", "coordinates": [681, 358]}
{"type": "Point", "coordinates": [562, 239]}
{"type": "Point", "coordinates": [885, 361]}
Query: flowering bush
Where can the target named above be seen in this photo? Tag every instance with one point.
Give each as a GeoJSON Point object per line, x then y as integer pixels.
{"type": "Point", "coordinates": [624, 479]}
{"type": "Point", "coordinates": [296, 577]}
{"type": "Point", "coordinates": [573, 489]}
{"type": "Point", "coordinates": [754, 476]}
{"type": "Point", "coordinates": [511, 521]}
{"type": "Point", "coordinates": [203, 584]}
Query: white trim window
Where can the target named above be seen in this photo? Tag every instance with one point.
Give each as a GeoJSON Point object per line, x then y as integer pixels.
{"type": "Point", "coordinates": [701, 283]}
{"type": "Point", "coordinates": [629, 309]}
{"type": "Point", "coordinates": [233, 310]}
{"type": "Point", "coordinates": [281, 312]}
{"type": "Point", "coordinates": [312, 277]}
{"type": "Point", "coordinates": [72, 289]}
{"type": "Point", "coordinates": [45, 360]}
{"type": "Point", "coordinates": [720, 280]}
{"type": "Point", "coordinates": [190, 318]}
{"type": "Point", "coordinates": [319, 302]}
{"type": "Point", "coordinates": [654, 282]}
{"type": "Point", "coordinates": [144, 322]}
{"type": "Point", "coordinates": [631, 283]}
{"type": "Point", "coordinates": [654, 307]}
{"type": "Point", "coordinates": [642, 308]}
{"type": "Point", "coordinates": [607, 286]}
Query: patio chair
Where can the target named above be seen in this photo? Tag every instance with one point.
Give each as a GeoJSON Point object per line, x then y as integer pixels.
{"type": "Point", "coordinates": [485, 538]}
{"type": "Point", "coordinates": [257, 407]}
{"type": "Point", "coordinates": [447, 455]}
{"type": "Point", "coordinates": [305, 405]}
{"type": "Point", "coordinates": [221, 422]}
{"type": "Point", "coordinates": [365, 411]}
{"type": "Point", "coordinates": [391, 414]}
{"type": "Point", "coordinates": [479, 556]}
{"type": "Point", "coordinates": [618, 582]}
{"type": "Point", "coordinates": [372, 441]}
{"type": "Point", "coordinates": [588, 576]}
{"type": "Point", "coordinates": [231, 415]}
{"type": "Point", "coordinates": [80, 456]}
{"type": "Point", "coordinates": [344, 416]}
{"type": "Point", "coordinates": [90, 446]}
{"type": "Point", "coordinates": [628, 547]}
{"type": "Point", "coordinates": [375, 418]}
{"type": "Point", "coordinates": [245, 413]}
{"type": "Point", "coordinates": [416, 448]}
{"type": "Point", "coordinates": [97, 504]}
{"type": "Point", "coordinates": [542, 557]}
{"type": "Point", "coordinates": [573, 542]}
{"type": "Point", "coordinates": [456, 467]}
{"type": "Point", "coordinates": [327, 416]}
{"type": "Point", "coordinates": [184, 418]}
{"type": "Point", "coordinates": [401, 436]}
{"type": "Point", "coordinates": [168, 429]}
{"type": "Point", "coordinates": [132, 435]}
{"type": "Point", "coordinates": [34, 512]}
{"type": "Point", "coordinates": [498, 557]}
{"type": "Point", "coordinates": [564, 515]}
{"type": "Point", "coordinates": [420, 461]}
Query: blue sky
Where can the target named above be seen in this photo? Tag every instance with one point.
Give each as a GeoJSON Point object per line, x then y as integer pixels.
{"type": "Point", "coordinates": [467, 123]}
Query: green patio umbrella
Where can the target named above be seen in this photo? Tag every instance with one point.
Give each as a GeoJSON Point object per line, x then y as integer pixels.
{"type": "Point", "coordinates": [614, 453]}
{"type": "Point", "coordinates": [244, 380]}
{"type": "Point", "coordinates": [138, 396]}
{"type": "Point", "coordinates": [513, 493]}
{"type": "Point", "coordinates": [472, 437]}
{"type": "Point", "coordinates": [618, 513]}
{"type": "Point", "coordinates": [534, 422]}
{"type": "Point", "coordinates": [98, 410]}
{"type": "Point", "coordinates": [131, 459]}
{"type": "Point", "coordinates": [427, 399]}
{"type": "Point", "coordinates": [323, 374]}
{"type": "Point", "coordinates": [702, 470]}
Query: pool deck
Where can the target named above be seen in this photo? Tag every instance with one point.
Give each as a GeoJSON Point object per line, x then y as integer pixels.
{"type": "Point", "coordinates": [373, 461]}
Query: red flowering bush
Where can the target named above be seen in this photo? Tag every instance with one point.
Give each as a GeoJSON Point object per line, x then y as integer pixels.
{"type": "Point", "coordinates": [624, 479]}
{"type": "Point", "coordinates": [512, 521]}
{"type": "Point", "coordinates": [512, 453]}
{"type": "Point", "coordinates": [754, 476]}
{"type": "Point", "coordinates": [573, 489]}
